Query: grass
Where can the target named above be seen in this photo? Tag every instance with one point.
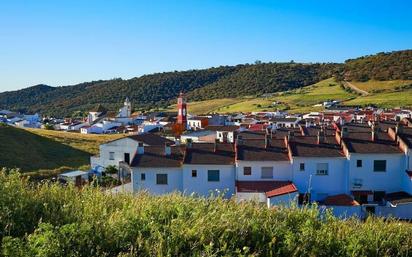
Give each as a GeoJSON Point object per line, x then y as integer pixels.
{"type": "Point", "coordinates": [44, 153]}
{"type": "Point", "coordinates": [85, 142]}
{"type": "Point", "coordinates": [204, 107]}
{"type": "Point", "coordinates": [299, 100]}
{"type": "Point", "coordinates": [386, 94]}
{"type": "Point", "coordinates": [385, 99]}
{"type": "Point", "coordinates": [50, 220]}
{"type": "Point", "coordinates": [373, 86]}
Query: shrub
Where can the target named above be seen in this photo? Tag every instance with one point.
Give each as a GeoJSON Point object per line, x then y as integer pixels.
{"type": "Point", "coordinates": [50, 220]}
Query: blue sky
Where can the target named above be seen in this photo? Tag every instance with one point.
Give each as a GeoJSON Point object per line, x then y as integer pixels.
{"type": "Point", "coordinates": [70, 41]}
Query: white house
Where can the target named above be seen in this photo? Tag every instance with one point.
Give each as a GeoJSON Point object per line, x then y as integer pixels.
{"type": "Point", "coordinates": [124, 149]}
{"type": "Point", "coordinates": [209, 168]}
{"type": "Point", "coordinates": [225, 134]}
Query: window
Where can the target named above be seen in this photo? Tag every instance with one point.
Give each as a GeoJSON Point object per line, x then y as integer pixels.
{"type": "Point", "coordinates": [302, 166]}
{"type": "Point", "coordinates": [267, 172]}
{"type": "Point", "coordinates": [194, 173]}
{"type": "Point", "coordinates": [379, 165]}
{"type": "Point", "coordinates": [247, 171]}
{"type": "Point", "coordinates": [143, 176]}
{"type": "Point", "coordinates": [358, 163]}
{"type": "Point", "coordinates": [213, 175]}
{"type": "Point", "coordinates": [161, 179]}
{"type": "Point", "coordinates": [111, 156]}
{"type": "Point", "coordinates": [127, 158]}
{"type": "Point", "coordinates": [322, 169]}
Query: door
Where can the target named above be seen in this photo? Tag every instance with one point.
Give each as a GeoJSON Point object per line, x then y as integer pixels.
{"type": "Point", "coordinates": [127, 158]}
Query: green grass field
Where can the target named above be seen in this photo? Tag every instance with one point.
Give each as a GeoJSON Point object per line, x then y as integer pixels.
{"type": "Point", "coordinates": [43, 152]}
{"type": "Point", "coordinates": [385, 94]}
{"type": "Point", "coordinates": [373, 86]}
{"type": "Point", "coordinates": [86, 143]}
{"type": "Point", "coordinates": [298, 100]}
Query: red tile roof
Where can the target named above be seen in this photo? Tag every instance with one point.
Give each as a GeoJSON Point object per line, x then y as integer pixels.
{"type": "Point", "coordinates": [340, 200]}
{"type": "Point", "coordinates": [283, 190]}
{"type": "Point", "coordinates": [270, 188]}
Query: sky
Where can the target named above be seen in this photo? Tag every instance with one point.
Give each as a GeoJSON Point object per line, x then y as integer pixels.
{"type": "Point", "coordinates": [66, 42]}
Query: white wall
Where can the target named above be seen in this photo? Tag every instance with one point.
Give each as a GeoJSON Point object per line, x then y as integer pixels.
{"type": "Point", "coordinates": [200, 184]}
{"type": "Point", "coordinates": [389, 181]}
{"type": "Point", "coordinates": [174, 180]}
{"type": "Point", "coordinates": [344, 211]}
{"type": "Point", "coordinates": [320, 185]}
{"type": "Point", "coordinates": [282, 170]}
{"type": "Point", "coordinates": [119, 147]}
{"type": "Point", "coordinates": [283, 200]}
{"type": "Point", "coordinates": [244, 196]}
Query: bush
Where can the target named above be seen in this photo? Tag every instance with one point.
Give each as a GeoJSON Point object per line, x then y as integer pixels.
{"type": "Point", "coordinates": [50, 220]}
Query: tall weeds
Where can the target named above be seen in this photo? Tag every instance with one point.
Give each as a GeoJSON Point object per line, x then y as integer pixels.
{"type": "Point", "coordinates": [50, 220]}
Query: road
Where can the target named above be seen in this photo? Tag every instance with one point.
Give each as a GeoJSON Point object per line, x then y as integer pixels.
{"type": "Point", "coordinates": [355, 88]}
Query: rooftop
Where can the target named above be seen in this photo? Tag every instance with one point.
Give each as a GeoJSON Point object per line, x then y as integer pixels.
{"type": "Point", "coordinates": [210, 153]}
{"type": "Point", "coordinates": [254, 150]}
{"type": "Point", "coordinates": [154, 156]}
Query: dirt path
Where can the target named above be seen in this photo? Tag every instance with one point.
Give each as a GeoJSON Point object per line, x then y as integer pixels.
{"type": "Point", "coordinates": [355, 88]}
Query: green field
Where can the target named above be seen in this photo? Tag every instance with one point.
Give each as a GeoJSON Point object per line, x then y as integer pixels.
{"type": "Point", "coordinates": [298, 100]}
{"type": "Point", "coordinates": [44, 152]}
{"type": "Point", "coordinates": [373, 86]}
{"type": "Point", "coordinates": [385, 94]}
{"type": "Point", "coordinates": [87, 143]}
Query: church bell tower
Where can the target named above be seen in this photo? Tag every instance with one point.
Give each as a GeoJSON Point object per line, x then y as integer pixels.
{"type": "Point", "coordinates": [182, 110]}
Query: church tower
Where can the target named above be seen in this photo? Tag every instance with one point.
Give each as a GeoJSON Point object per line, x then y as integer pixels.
{"type": "Point", "coordinates": [182, 111]}
{"type": "Point", "coordinates": [128, 107]}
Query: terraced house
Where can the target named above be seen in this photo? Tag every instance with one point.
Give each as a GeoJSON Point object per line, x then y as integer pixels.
{"type": "Point", "coordinates": [355, 169]}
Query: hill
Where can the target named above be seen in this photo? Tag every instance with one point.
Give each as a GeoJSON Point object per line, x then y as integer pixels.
{"type": "Point", "coordinates": [386, 94]}
{"type": "Point", "coordinates": [395, 65]}
{"type": "Point", "coordinates": [45, 152]}
{"type": "Point", "coordinates": [226, 82]}
{"type": "Point", "coordinates": [161, 89]}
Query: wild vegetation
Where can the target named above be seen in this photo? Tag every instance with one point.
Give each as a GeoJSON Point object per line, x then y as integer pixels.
{"type": "Point", "coordinates": [226, 82]}
{"type": "Point", "coordinates": [382, 66]}
{"type": "Point", "coordinates": [161, 89]}
{"type": "Point", "coordinates": [50, 220]}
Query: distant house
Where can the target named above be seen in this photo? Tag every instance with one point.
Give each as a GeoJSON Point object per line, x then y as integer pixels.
{"type": "Point", "coordinates": [285, 122]}
{"type": "Point", "coordinates": [197, 122]}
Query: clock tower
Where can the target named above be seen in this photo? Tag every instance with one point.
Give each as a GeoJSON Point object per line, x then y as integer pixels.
{"type": "Point", "coordinates": [182, 110]}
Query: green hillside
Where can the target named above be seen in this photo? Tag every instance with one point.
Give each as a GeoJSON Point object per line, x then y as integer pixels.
{"type": "Point", "coordinates": [161, 89]}
{"type": "Point", "coordinates": [378, 73]}
{"type": "Point", "coordinates": [395, 65]}
{"type": "Point", "coordinates": [47, 152]}
{"type": "Point", "coordinates": [296, 100]}
{"type": "Point", "coordinates": [387, 94]}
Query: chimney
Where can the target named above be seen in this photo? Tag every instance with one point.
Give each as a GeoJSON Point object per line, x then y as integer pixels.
{"type": "Point", "coordinates": [168, 149]}
{"type": "Point", "coordinates": [215, 145]}
{"type": "Point", "coordinates": [321, 137]}
{"type": "Point", "coordinates": [267, 141]}
{"type": "Point", "coordinates": [291, 136]}
{"type": "Point", "coordinates": [344, 132]}
{"type": "Point", "coordinates": [140, 148]}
